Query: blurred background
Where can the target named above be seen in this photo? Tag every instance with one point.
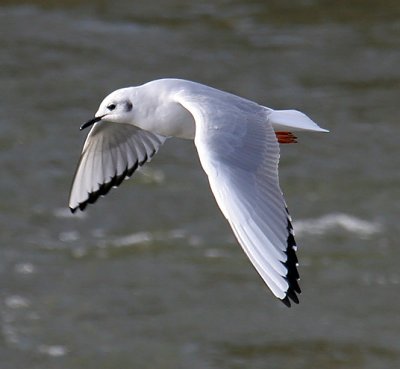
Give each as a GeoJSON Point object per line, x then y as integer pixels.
{"type": "Point", "coordinates": [151, 276]}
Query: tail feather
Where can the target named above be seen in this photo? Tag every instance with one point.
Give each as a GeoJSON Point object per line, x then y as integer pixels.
{"type": "Point", "coordinates": [292, 120]}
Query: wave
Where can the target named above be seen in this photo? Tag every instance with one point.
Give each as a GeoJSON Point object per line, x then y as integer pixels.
{"type": "Point", "coordinates": [337, 221]}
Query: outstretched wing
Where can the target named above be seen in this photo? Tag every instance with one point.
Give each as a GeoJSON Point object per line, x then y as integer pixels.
{"type": "Point", "coordinates": [239, 152]}
{"type": "Point", "coordinates": [112, 152]}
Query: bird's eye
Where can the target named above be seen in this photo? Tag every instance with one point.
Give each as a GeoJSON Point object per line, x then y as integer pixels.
{"type": "Point", "coordinates": [111, 107]}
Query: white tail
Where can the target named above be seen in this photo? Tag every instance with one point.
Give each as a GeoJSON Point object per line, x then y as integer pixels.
{"type": "Point", "coordinates": [292, 120]}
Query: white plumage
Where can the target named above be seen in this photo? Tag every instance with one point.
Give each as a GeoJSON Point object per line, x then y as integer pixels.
{"type": "Point", "coordinates": [238, 149]}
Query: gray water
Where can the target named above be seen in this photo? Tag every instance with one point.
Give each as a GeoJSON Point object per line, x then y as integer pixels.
{"type": "Point", "coordinates": [151, 276]}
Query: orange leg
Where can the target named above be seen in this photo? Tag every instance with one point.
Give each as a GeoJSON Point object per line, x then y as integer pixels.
{"type": "Point", "coordinates": [286, 137]}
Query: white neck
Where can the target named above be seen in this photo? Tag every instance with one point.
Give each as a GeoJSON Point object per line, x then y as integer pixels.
{"type": "Point", "coordinates": [156, 111]}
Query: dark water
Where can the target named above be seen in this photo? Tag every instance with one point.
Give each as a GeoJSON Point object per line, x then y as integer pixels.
{"type": "Point", "coordinates": [151, 277]}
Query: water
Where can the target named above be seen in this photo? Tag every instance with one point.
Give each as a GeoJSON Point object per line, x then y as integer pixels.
{"type": "Point", "coordinates": [151, 276]}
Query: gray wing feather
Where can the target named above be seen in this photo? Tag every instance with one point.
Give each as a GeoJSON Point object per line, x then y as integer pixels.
{"type": "Point", "coordinates": [239, 152]}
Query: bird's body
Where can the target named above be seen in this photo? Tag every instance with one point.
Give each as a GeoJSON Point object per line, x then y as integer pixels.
{"type": "Point", "coordinates": [238, 149]}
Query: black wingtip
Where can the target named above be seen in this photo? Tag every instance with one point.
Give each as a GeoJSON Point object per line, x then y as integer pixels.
{"type": "Point", "coordinates": [286, 301]}
{"type": "Point", "coordinates": [292, 275]}
{"type": "Point", "coordinates": [290, 297]}
{"type": "Point", "coordinates": [104, 188]}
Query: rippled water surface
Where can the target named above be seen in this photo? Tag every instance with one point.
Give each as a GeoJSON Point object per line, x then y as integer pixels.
{"type": "Point", "coordinates": [151, 276]}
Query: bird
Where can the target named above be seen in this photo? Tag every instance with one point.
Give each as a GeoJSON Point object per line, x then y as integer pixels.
{"type": "Point", "coordinates": [237, 141]}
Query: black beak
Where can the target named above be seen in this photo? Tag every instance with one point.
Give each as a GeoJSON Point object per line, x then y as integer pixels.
{"type": "Point", "coordinates": [91, 122]}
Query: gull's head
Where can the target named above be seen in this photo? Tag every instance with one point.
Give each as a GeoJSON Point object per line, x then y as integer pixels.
{"type": "Point", "coordinates": [117, 107]}
{"type": "Point", "coordinates": [151, 107]}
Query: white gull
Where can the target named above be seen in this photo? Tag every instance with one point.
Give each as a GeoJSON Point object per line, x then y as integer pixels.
{"type": "Point", "coordinates": [238, 145]}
